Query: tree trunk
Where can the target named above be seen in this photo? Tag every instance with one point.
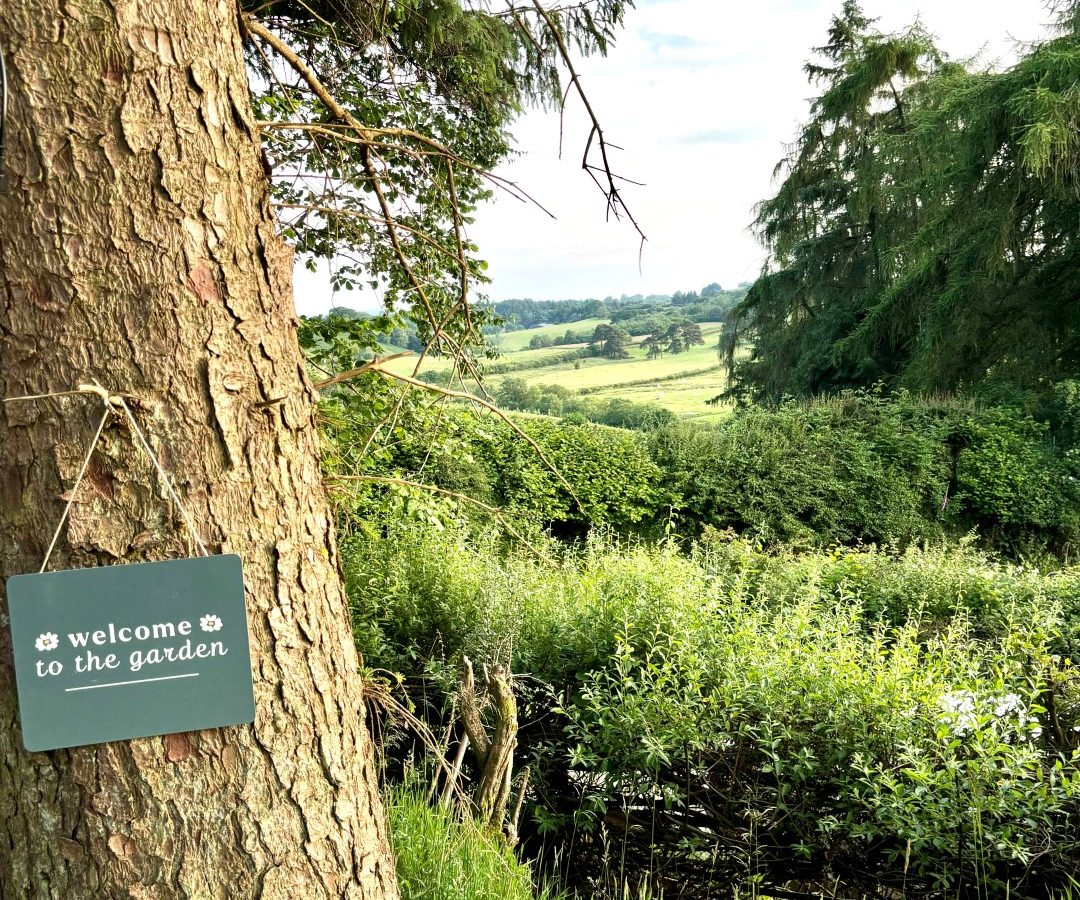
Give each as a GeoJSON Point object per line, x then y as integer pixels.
{"type": "Point", "coordinates": [137, 247]}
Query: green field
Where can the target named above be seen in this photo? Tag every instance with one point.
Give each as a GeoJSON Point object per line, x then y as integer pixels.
{"type": "Point", "coordinates": [525, 358]}
{"type": "Point", "coordinates": [598, 372]}
{"type": "Point", "coordinates": [684, 396]}
{"type": "Point", "coordinates": [681, 382]}
{"type": "Point", "coordinates": [433, 364]}
{"type": "Point", "coordinates": [512, 341]}
{"type": "Point", "coordinates": [633, 378]}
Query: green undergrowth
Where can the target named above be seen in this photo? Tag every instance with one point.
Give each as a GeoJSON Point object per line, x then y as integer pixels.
{"type": "Point", "coordinates": [728, 716]}
{"type": "Point", "coordinates": [848, 471]}
{"type": "Point", "coordinates": [851, 470]}
{"type": "Point", "coordinates": [873, 469]}
{"type": "Point", "coordinates": [442, 856]}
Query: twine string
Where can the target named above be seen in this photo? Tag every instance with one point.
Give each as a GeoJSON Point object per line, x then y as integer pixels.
{"type": "Point", "coordinates": [164, 477]}
{"type": "Point", "coordinates": [75, 489]}
{"type": "Point", "coordinates": [114, 403]}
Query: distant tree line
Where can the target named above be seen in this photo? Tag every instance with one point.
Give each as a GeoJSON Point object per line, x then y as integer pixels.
{"type": "Point", "coordinates": [540, 341]}
{"type": "Point", "coordinates": [397, 331]}
{"type": "Point", "coordinates": [521, 314]}
{"type": "Point", "coordinates": [708, 304]}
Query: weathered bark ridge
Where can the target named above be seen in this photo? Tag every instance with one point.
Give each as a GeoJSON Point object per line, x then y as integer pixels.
{"type": "Point", "coordinates": [138, 248]}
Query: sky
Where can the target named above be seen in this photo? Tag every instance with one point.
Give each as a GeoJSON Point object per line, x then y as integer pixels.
{"type": "Point", "coordinates": [702, 95]}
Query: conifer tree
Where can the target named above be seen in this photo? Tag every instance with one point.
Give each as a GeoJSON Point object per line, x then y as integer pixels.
{"type": "Point", "coordinates": [830, 224]}
{"type": "Point", "coordinates": [926, 232]}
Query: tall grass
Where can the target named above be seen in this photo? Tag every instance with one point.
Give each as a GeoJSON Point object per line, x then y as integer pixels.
{"type": "Point", "coordinates": [442, 856]}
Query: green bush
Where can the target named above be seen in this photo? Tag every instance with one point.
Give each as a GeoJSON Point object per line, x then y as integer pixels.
{"type": "Point", "coordinates": [808, 739]}
{"type": "Point", "coordinates": [867, 469]}
{"type": "Point", "coordinates": [863, 469]}
{"type": "Point", "coordinates": [1009, 475]}
{"type": "Point", "coordinates": [556, 400]}
{"type": "Point", "coordinates": [931, 584]}
{"type": "Point", "coordinates": [846, 471]}
{"type": "Point", "coordinates": [735, 713]}
{"type": "Point", "coordinates": [614, 480]}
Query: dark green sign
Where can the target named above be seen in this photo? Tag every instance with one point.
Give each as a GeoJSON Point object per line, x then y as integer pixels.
{"type": "Point", "coordinates": [130, 651]}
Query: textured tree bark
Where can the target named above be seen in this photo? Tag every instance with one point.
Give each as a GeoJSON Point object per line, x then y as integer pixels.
{"type": "Point", "coordinates": [137, 247]}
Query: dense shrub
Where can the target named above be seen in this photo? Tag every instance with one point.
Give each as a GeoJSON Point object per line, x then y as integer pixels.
{"type": "Point", "coordinates": [815, 475]}
{"type": "Point", "coordinates": [793, 736]}
{"type": "Point", "coordinates": [1010, 475]}
{"type": "Point", "coordinates": [905, 719]}
{"type": "Point", "coordinates": [933, 585]}
{"type": "Point", "coordinates": [613, 479]}
{"type": "Point", "coordinates": [869, 469]}
{"type": "Point", "coordinates": [848, 471]}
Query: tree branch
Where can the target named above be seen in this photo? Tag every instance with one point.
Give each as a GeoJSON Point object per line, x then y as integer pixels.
{"type": "Point", "coordinates": [472, 398]}
{"type": "Point", "coordinates": [352, 373]}
{"type": "Point", "coordinates": [367, 156]}
{"type": "Point", "coordinates": [464, 498]}
{"type": "Point", "coordinates": [611, 192]}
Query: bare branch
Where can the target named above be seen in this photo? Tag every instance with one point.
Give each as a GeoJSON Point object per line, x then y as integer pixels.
{"type": "Point", "coordinates": [454, 495]}
{"type": "Point", "coordinates": [615, 203]}
{"type": "Point", "coordinates": [514, 189]}
{"type": "Point", "coordinates": [472, 398]}
{"type": "Point", "coordinates": [368, 217]}
{"type": "Point", "coordinates": [352, 373]}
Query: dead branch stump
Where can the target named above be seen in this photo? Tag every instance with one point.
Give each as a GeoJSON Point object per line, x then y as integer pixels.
{"type": "Point", "coordinates": [494, 754]}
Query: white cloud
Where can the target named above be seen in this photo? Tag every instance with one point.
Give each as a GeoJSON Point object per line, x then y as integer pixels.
{"type": "Point", "coordinates": [702, 95]}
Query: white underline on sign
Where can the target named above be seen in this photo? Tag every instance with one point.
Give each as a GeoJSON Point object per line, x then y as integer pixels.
{"type": "Point", "coordinates": [91, 687]}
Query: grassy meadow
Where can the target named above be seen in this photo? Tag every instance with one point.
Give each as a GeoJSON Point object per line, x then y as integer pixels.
{"type": "Point", "coordinates": [512, 341]}
{"type": "Point", "coordinates": [608, 373]}
{"type": "Point", "coordinates": [435, 365]}
{"type": "Point", "coordinates": [679, 382]}
{"type": "Point", "coordinates": [686, 396]}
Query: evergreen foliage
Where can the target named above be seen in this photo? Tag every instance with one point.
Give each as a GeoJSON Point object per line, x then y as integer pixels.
{"type": "Point", "coordinates": [926, 230]}
{"type": "Point", "coordinates": [383, 178]}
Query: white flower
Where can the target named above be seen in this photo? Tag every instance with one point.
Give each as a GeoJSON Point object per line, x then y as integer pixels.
{"type": "Point", "coordinates": [47, 641]}
{"type": "Point", "coordinates": [959, 711]}
{"type": "Point", "coordinates": [210, 623]}
{"type": "Point", "coordinates": [1007, 704]}
{"type": "Point", "coordinates": [1008, 716]}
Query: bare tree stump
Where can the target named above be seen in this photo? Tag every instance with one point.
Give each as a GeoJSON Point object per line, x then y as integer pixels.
{"type": "Point", "coordinates": [494, 754]}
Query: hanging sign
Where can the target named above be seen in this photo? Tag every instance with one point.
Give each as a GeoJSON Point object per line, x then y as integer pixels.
{"type": "Point", "coordinates": [130, 651]}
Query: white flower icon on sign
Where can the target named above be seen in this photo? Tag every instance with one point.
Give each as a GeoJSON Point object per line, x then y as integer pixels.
{"type": "Point", "coordinates": [47, 641]}
{"type": "Point", "coordinates": [210, 623]}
